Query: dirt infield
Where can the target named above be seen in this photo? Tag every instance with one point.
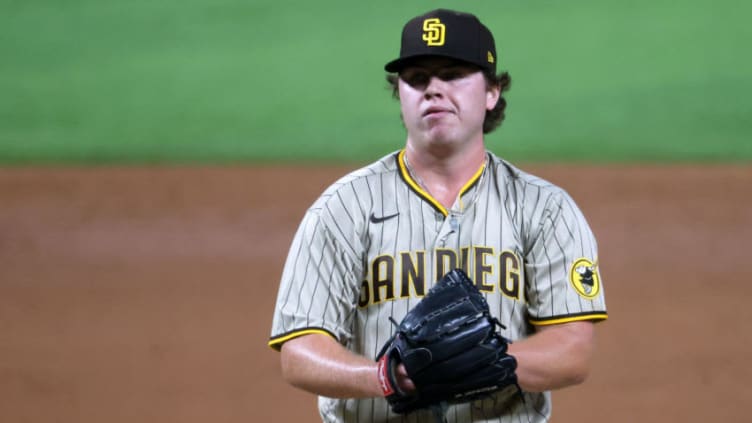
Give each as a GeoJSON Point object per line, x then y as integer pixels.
{"type": "Point", "coordinates": [145, 295]}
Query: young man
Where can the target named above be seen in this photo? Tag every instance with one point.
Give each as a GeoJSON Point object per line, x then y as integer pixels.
{"type": "Point", "coordinates": [375, 241]}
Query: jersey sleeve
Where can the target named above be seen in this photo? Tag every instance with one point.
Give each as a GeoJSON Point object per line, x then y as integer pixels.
{"type": "Point", "coordinates": [563, 282]}
{"type": "Point", "coordinates": [317, 293]}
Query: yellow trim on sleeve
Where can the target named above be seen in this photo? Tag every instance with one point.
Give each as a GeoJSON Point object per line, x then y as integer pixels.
{"type": "Point", "coordinates": [276, 343]}
{"type": "Point", "coordinates": [568, 319]}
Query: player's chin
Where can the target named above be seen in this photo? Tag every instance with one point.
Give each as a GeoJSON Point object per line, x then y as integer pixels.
{"type": "Point", "coordinates": [442, 135]}
{"type": "Point", "coordinates": [443, 124]}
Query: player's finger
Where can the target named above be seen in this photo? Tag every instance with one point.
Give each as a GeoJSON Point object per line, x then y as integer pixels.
{"type": "Point", "coordinates": [403, 380]}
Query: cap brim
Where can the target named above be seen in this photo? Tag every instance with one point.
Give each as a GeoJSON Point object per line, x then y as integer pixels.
{"type": "Point", "coordinates": [398, 64]}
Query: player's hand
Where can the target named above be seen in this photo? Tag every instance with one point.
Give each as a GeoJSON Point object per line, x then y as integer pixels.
{"type": "Point", "coordinates": [446, 349]}
{"type": "Point", "coordinates": [406, 384]}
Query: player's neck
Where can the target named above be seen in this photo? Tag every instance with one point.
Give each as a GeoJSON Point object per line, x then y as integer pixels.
{"type": "Point", "coordinates": [444, 177]}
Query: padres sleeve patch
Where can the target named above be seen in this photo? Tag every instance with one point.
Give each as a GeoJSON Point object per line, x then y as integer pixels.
{"type": "Point", "coordinates": [584, 277]}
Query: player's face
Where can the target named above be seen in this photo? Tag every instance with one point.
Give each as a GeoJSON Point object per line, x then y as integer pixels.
{"type": "Point", "coordinates": [444, 101]}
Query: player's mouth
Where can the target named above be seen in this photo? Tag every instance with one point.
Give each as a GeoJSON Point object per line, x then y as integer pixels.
{"type": "Point", "coordinates": [436, 111]}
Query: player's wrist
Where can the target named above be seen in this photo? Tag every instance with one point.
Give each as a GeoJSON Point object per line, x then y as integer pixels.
{"type": "Point", "coordinates": [385, 385]}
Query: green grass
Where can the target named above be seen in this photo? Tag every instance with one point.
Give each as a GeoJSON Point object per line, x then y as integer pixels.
{"type": "Point", "coordinates": [237, 81]}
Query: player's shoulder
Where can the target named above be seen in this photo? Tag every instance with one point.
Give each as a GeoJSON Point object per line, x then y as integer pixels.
{"type": "Point", "coordinates": [519, 179]}
{"type": "Point", "coordinates": [352, 188]}
{"type": "Point", "coordinates": [528, 191]}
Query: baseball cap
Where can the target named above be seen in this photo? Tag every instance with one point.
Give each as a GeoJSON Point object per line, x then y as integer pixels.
{"type": "Point", "coordinates": [446, 33]}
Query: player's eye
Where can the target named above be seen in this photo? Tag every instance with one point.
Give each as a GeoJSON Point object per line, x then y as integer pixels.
{"type": "Point", "coordinates": [451, 74]}
{"type": "Point", "coordinates": [418, 77]}
{"type": "Point", "coordinates": [415, 78]}
{"type": "Point", "coordinates": [448, 75]}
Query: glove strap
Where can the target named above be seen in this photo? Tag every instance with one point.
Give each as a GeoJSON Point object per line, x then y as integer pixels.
{"type": "Point", "coordinates": [383, 373]}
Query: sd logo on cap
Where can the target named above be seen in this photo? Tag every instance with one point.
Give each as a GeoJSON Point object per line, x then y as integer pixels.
{"type": "Point", "coordinates": [446, 33]}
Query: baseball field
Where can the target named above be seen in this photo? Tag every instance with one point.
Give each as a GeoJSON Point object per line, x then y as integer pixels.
{"type": "Point", "coordinates": [156, 157]}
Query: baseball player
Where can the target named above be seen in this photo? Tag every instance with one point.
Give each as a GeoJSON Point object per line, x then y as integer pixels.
{"type": "Point", "coordinates": [375, 241]}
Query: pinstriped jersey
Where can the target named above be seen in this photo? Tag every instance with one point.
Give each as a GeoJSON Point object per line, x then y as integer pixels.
{"type": "Point", "coordinates": [373, 244]}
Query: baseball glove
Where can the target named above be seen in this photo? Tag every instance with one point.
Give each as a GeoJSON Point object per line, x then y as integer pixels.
{"type": "Point", "coordinates": [450, 348]}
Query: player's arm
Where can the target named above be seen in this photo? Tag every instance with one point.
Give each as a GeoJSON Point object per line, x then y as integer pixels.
{"type": "Point", "coordinates": [555, 357]}
{"type": "Point", "coordinates": [319, 364]}
{"type": "Point", "coordinates": [559, 353]}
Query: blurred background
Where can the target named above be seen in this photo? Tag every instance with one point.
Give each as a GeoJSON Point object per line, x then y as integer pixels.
{"type": "Point", "coordinates": [238, 81]}
{"type": "Point", "coordinates": [156, 157]}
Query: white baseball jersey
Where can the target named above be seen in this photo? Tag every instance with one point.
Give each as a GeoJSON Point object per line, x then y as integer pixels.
{"type": "Point", "coordinates": [375, 241]}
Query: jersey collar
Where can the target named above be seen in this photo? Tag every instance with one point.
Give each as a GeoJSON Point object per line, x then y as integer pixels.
{"type": "Point", "coordinates": [415, 186]}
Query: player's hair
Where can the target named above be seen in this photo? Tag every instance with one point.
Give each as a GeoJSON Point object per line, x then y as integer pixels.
{"type": "Point", "coordinates": [495, 116]}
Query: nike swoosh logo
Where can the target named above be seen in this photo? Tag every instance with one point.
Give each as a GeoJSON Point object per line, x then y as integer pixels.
{"type": "Point", "coordinates": [375, 219]}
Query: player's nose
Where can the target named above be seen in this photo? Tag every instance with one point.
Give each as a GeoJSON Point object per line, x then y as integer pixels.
{"type": "Point", "coordinates": [434, 87]}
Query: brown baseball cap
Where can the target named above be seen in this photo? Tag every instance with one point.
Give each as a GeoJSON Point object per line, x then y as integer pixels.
{"type": "Point", "coordinates": [446, 33]}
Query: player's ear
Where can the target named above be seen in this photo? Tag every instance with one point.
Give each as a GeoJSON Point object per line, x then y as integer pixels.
{"type": "Point", "coordinates": [393, 80]}
{"type": "Point", "coordinates": [492, 96]}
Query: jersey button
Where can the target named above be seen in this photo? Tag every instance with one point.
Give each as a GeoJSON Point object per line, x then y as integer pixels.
{"type": "Point", "coordinates": [454, 223]}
